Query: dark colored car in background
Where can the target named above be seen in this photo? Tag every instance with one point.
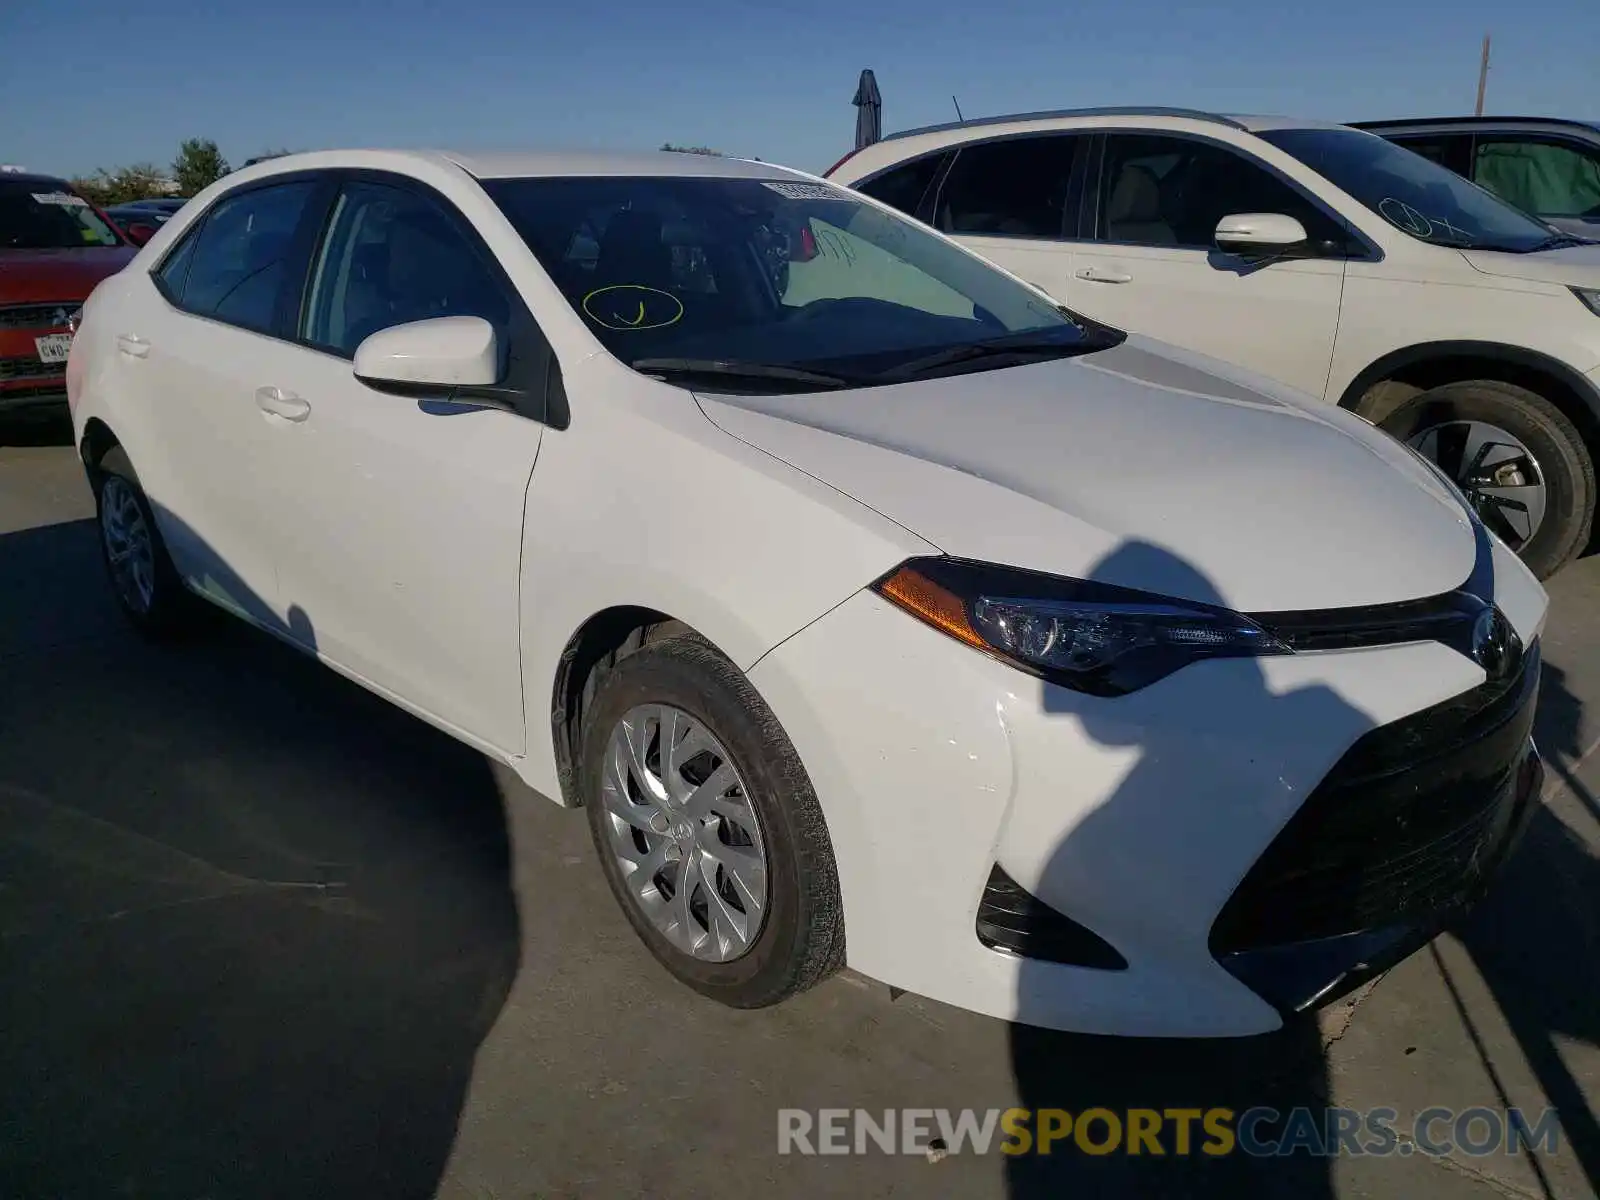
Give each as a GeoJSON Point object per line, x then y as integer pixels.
{"type": "Point", "coordinates": [163, 206]}
{"type": "Point", "coordinates": [1548, 167]}
{"type": "Point", "coordinates": [139, 219]}
{"type": "Point", "coordinates": [54, 248]}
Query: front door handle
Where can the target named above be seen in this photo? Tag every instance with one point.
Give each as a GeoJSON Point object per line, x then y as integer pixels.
{"type": "Point", "coordinates": [133, 346]}
{"type": "Point", "coordinates": [1101, 275]}
{"type": "Point", "coordinates": [282, 404]}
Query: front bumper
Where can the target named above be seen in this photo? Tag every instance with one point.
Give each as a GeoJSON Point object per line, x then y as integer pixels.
{"type": "Point", "coordinates": [1137, 818]}
{"type": "Point", "coordinates": [25, 381]}
{"type": "Point", "coordinates": [1384, 854]}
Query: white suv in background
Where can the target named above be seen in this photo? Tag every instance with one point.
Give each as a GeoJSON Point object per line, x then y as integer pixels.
{"type": "Point", "coordinates": [1321, 256]}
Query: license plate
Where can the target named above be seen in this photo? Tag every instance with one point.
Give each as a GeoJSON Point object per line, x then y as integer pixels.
{"type": "Point", "coordinates": [53, 347]}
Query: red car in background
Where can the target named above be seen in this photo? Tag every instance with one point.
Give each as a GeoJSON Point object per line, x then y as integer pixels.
{"type": "Point", "coordinates": [54, 248]}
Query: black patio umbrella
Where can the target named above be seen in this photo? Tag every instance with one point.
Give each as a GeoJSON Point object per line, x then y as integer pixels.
{"type": "Point", "coordinates": [869, 111]}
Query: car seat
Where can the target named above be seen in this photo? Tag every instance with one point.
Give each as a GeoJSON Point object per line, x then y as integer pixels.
{"type": "Point", "coordinates": [1133, 212]}
{"type": "Point", "coordinates": [632, 251]}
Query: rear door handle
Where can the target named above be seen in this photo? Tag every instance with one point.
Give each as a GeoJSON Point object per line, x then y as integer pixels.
{"type": "Point", "coordinates": [133, 346]}
{"type": "Point", "coordinates": [282, 404]}
{"type": "Point", "coordinates": [1101, 275]}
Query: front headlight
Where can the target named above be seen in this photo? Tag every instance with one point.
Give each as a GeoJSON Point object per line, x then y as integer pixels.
{"type": "Point", "coordinates": [1590, 298]}
{"type": "Point", "coordinates": [1090, 637]}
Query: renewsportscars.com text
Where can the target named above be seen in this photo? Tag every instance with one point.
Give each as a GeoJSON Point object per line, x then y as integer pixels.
{"type": "Point", "coordinates": [1215, 1132]}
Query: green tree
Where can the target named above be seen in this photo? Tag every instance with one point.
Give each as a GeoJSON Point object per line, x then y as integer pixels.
{"type": "Point", "coordinates": [140, 181]}
{"type": "Point", "coordinates": [691, 150]}
{"type": "Point", "coordinates": [199, 164]}
{"type": "Point", "coordinates": [89, 187]}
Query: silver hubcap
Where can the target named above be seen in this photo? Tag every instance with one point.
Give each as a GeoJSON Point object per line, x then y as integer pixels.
{"type": "Point", "coordinates": [682, 829]}
{"type": "Point", "coordinates": [127, 541]}
{"type": "Point", "coordinates": [1499, 475]}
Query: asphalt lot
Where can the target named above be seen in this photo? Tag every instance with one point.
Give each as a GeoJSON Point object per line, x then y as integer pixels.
{"type": "Point", "coordinates": [263, 935]}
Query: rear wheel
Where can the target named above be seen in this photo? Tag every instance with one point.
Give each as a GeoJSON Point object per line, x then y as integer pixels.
{"type": "Point", "coordinates": [1520, 461]}
{"type": "Point", "coordinates": [143, 580]}
{"type": "Point", "coordinates": [707, 827]}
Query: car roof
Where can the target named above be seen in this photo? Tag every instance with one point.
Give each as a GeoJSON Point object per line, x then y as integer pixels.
{"type": "Point", "coordinates": [1420, 123]}
{"type": "Point", "coordinates": [1068, 117]}
{"type": "Point", "coordinates": [519, 164]}
{"type": "Point", "coordinates": [1266, 123]}
{"type": "Point", "coordinates": [33, 177]}
{"type": "Point", "coordinates": [527, 163]}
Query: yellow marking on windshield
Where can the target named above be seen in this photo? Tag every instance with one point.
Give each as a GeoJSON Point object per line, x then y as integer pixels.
{"type": "Point", "coordinates": [601, 307]}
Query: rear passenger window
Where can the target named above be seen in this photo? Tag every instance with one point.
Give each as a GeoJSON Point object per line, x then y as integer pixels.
{"type": "Point", "coordinates": [907, 185]}
{"type": "Point", "coordinates": [240, 258]}
{"type": "Point", "coordinates": [1013, 188]}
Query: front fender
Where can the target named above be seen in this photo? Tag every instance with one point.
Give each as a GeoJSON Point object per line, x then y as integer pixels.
{"type": "Point", "coordinates": [642, 502]}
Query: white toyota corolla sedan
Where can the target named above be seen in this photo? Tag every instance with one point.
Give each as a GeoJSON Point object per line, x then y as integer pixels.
{"type": "Point", "coordinates": [878, 610]}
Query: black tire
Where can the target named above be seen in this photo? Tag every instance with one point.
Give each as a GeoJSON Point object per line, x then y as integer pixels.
{"type": "Point", "coordinates": [171, 607]}
{"type": "Point", "coordinates": [801, 939]}
{"type": "Point", "coordinates": [1546, 431]}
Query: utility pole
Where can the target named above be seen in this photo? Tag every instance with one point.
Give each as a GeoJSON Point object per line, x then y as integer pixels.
{"type": "Point", "coordinates": [1483, 75]}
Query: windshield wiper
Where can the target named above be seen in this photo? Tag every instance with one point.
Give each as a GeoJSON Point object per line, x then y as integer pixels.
{"type": "Point", "coordinates": [1558, 242]}
{"type": "Point", "coordinates": [1027, 343]}
{"type": "Point", "coordinates": [742, 370]}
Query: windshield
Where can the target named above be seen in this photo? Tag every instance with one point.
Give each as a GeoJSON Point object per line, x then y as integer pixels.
{"type": "Point", "coordinates": [790, 275]}
{"type": "Point", "coordinates": [40, 214]}
{"type": "Point", "coordinates": [1418, 197]}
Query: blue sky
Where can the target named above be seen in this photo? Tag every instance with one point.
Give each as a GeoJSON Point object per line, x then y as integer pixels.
{"type": "Point", "coordinates": [85, 83]}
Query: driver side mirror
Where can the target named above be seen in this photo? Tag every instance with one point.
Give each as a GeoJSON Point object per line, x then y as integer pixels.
{"type": "Point", "coordinates": [423, 357]}
{"type": "Point", "coordinates": [139, 233]}
{"type": "Point", "coordinates": [1259, 235]}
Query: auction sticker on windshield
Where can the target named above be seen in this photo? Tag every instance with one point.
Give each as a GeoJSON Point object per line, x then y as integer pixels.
{"type": "Point", "coordinates": [64, 199]}
{"type": "Point", "coordinates": [53, 347]}
{"type": "Point", "coordinates": [804, 191]}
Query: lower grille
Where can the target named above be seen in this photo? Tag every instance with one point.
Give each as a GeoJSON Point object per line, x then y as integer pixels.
{"type": "Point", "coordinates": [1405, 827]}
{"type": "Point", "coordinates": [1012, 919]}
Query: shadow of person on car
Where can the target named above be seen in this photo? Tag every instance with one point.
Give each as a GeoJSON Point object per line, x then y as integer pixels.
{"type": "Point", "coordinates": [256, 922]}
{"type": "Point", "coordinates": [1149, 869]}
{"type": "Point", "coordinates": [1536, 939]}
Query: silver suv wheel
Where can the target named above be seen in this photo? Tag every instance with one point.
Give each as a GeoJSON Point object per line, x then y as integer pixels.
{"type": "Point", "coordinates": [1499, 475]}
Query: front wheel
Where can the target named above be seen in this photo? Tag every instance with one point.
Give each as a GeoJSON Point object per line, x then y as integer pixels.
{"type": "Point", "coordinates": [707, 827]}
{"type": "Point", "coordinates": [1519, 460]}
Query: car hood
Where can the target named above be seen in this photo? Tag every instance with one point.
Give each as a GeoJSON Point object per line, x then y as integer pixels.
{"type": "Point", "coordinates": [43, 275]}
{"type": "Point", "coordinates": [1263, 499]}
{"type": "Point", "coordinates": [1573, 266]}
